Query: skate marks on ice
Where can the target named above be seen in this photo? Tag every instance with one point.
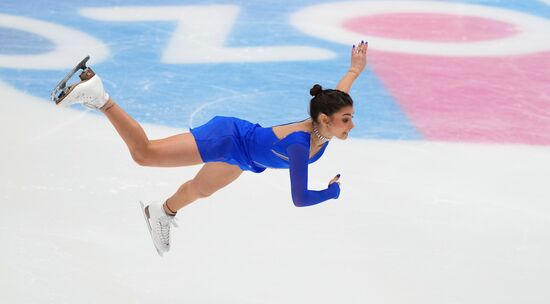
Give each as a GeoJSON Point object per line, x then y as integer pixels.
{"type": "Point", "coordinates": [467, 109]}
{"type": "Point", "coordinates": [417, 222]}
{"type": "Point", "coordinates": [434, 221]}
{"type": "Point", "coordinates": [195, 41]}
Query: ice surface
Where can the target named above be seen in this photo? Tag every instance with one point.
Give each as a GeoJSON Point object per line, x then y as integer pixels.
{"type": "Point", "coordinates": [419, 220]}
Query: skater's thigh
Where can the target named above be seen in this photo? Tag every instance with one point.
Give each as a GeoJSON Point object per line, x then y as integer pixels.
{"type": "Point", "coordinates": [214, 176]}
{"type": "Point", "coordinates": [174, 151]}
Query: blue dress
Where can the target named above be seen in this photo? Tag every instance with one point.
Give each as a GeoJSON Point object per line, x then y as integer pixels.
{"type": "Point", "coordinates": [254, 148]}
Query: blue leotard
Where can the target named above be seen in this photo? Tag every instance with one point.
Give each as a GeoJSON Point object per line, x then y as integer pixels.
{"type": "Point", "coordinates": [254, 148]}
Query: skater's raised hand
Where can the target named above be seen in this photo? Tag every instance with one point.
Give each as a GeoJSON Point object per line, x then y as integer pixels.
{"type": "Point", "coordinates": [359, 57]}
{"type": "Point", "coordinates": [358, 62]}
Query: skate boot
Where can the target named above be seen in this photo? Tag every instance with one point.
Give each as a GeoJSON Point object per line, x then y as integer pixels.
{"type": "Point", "coordinates": [89, 91]}
{"type": "Point", "coordinates": [159, 224]}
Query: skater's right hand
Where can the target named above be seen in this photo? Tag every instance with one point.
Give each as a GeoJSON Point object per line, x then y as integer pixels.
{"type": "Point", "coordinates": [336, 187]}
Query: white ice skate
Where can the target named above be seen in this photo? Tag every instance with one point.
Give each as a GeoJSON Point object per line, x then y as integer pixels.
{"type": "Point", "coordinates": [89, 91]}
{"type": "Point", "coordinates": [159, 224]}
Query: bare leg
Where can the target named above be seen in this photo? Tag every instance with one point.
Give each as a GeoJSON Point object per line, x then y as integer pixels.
{"type": "Point", "coordinates": [174, 151]}
{"type": "Point", "coordinates": [211, 178]}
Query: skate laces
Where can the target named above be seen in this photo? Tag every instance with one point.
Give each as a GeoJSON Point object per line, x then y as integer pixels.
{"type": "Point", "coordinates": [162, 228]}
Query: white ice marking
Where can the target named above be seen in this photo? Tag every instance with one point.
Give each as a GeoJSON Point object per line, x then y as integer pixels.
{"type": "Point", "coordinates": [210, 103]}
{"type": "Point", "coordinates": [70, 45]}
{"type": "Point", "coordinates": [325, 21]}
{"type": "Point", "coordinates": [201, 33]}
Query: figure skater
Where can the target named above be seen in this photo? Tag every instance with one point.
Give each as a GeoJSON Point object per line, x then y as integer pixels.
{"type": "Point", "coordinates": [227, 146]}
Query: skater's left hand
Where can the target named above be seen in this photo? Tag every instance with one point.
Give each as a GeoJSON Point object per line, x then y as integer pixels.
{"type": "Point", "coordinates": [359, 57]}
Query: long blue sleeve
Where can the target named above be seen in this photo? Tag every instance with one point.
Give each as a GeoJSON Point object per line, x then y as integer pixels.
{"type": "Point", "coordinates": [298, 167]}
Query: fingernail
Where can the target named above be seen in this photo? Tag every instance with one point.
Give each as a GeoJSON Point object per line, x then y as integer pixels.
{"type": "Point", "coordinates": [338, 175]}
{"type": "Point", "coordinates": [362, 42]}
{"type": "Point", "coordinates": [354, 46]}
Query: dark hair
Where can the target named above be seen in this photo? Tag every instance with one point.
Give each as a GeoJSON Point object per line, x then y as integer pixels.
{"type": "Point", "coordinates": [327, 101]}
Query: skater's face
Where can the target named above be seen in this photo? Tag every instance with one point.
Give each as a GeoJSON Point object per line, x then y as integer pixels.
{"type": "Point", "coordinates": [341, 122]}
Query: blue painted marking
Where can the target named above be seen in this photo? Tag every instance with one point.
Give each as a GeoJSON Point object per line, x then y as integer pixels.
{"type": "Point", "coordinates": [16, 42]}
{"type": "Point", "coordinates": [187, 95]}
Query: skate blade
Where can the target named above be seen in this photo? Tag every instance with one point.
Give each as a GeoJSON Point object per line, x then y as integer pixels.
{"type": "Point", "coordinates": [149, 226]}
{"type": "Point", "coordinates": [60, 98]}
{"type": "Point", "coordinates": [61, 90]}
{"type": "Point", "coordinates": [86, 75]}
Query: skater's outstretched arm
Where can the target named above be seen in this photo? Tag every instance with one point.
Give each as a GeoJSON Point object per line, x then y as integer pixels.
{"type": "Point", "coordinates": [358, 62]}
{"type": "Point", "coordinates": [298, 154]}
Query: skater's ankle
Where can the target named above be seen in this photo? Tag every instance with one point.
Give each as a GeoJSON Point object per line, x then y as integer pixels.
{"type": "Point", "coordinates": [109, 104]}
{"type": "Point", "coordinates": [168, 210]}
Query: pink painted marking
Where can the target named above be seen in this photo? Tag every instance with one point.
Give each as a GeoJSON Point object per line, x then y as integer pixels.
{"type": "Point", "coordinates": [498, 100]}
{"type": "Point", "coordinates": [430, 27]}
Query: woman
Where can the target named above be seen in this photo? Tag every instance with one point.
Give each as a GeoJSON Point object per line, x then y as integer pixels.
{"type": "Point", "coordinates": [227, 146]}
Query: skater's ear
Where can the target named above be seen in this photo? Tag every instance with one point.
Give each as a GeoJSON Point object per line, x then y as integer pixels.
{"type": "Point", "coordinates": [323, 118]}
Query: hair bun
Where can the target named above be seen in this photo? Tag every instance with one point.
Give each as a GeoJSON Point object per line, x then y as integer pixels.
{"type": "Point", "coordinates": [316, 90]}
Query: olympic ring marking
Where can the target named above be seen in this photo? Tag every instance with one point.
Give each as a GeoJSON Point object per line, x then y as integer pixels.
{"type": "Point", "coordinates": [325, 21]}
{"type": "Point", "coordinates": [70, 45]}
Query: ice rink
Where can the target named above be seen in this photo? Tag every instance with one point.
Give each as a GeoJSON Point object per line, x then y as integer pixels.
{"type": "Point", "coordinates": [445, 195]}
